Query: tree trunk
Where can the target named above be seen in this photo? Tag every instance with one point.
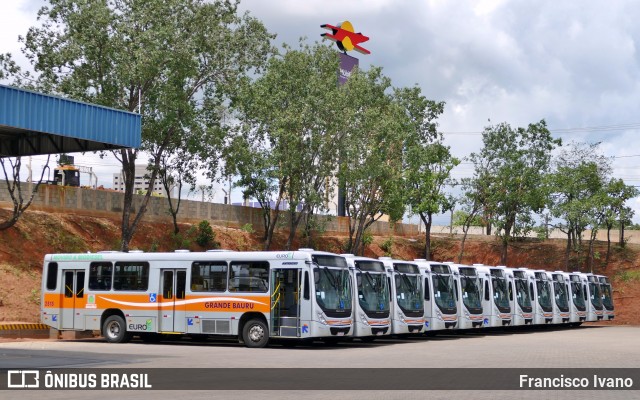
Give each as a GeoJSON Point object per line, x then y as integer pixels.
{"type": "Point", "coordinates": [567, 251]}
{"type": "Point", "coordinates": [465, 229]}
{"type": "Point", "coordinates": [621, 243]}
{"type": "Point", "coordinates": [609, 226]}
{"type": "Point", "coordinates": [427, 219]}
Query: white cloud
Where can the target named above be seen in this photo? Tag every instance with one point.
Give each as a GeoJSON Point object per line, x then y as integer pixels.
{"type": "Point", "coordinates": [573, 63]}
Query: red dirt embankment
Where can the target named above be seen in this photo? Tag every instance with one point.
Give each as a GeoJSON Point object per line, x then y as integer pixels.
{"type": "Point", "coordinates": [23, 247]}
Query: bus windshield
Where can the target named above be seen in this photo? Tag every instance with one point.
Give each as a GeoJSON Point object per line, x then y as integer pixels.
{"type": "Point", "coordinates": [607, 300]}
{"type": "Point", "coordinates": [522, 294]}
{"type": "Point", "coordinates": [544, 295]}
{"type": "Point", "coordinates": [578, 298]}
{"type": "Point", "coordinates": [562, 299]}
{"type": "Point", "coordinates": [333, 291]}
{"type": "Point", "coordinates": [596, 296]}
{"type": "Point", "coordinates": [443, 290]}
{"type": "Point", "coordinates": [409, 294]}
{"type": "Point", "coordinates": [373, 294]}
{"type": "Point", "coordinates": [471, 293]}
{"type": "Point", "coordinates": [500, 295]}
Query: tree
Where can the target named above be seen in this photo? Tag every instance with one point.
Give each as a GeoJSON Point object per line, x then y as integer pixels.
{"type": "Point", "coordinates": [575, 188]}
{"type": "Point", "coordinates": [178, 59]}
{"type": "Point", "coordinates": [15, 189]}
{"type": "Point", "coordinates": [472, 201]}
{"type": "Point", "coordinates": [375, 131]}
{"type": "Point", "coordinates": [290, 117]}
{"type": "Point", "coordinates": [427, 162]}
{"type": "Point", "coordinates": [516, 160]}
{"type": "Point", "coordinates": [615, 210]}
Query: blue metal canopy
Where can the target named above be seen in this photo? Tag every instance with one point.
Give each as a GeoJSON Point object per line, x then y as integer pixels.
{"type": "Point", "coordinates": [33, 123]}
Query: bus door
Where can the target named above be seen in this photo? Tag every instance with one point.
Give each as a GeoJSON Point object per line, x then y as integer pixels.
{"type": "Point", "coordinates": [285, 302]}
{"type": "Point", "coordinates": [172, 306]}
{"type": "Point", "coordinates": [73, 301]}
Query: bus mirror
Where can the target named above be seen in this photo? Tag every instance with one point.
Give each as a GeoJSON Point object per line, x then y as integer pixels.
{"type": "Point", "coordinates": [316, 276]}
{"type": "Point", "coordinates": [359, 279]}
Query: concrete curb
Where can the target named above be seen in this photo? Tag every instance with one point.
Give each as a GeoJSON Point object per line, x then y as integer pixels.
{"type": "Point", "coordinates": [24, 331]}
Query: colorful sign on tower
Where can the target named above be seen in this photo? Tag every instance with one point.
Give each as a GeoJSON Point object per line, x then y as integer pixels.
{"type": "Point", "coordinates": [345, 37]}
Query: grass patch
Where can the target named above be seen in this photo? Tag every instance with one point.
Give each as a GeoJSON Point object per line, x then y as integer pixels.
{"type": "Point", "coordinates": [628, 276]}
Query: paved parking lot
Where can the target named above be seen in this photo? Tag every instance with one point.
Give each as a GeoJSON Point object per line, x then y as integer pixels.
{"type": "Point", "coordinates": [585, 347]}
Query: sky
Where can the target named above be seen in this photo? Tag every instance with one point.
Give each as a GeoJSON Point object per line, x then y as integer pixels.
{"type": "Point", "coordinates": [573, 63]}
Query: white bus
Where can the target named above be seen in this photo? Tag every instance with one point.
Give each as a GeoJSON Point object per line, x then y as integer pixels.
{"type": "Point", "coordinates": [250, 295]}
{"type": "Point", "coordinates": [470, 312]}
{"type": "Point", "coordinates": [578, 294]}
{"type": "Point", "coordinates": [496, 303]}
{"type": "Point", "coordinates": [522, 286]}
{"type": "Point", "coordinates": [407, 295]}
{"type": "Point", "coordinates": [372, 300]}
{"type": "Point", "coordinates": [607, 297]}
{"type": "Point", "coordinates": [595, 309]}
{"type": "Point", "coordinates": [561, 295]}
{"type": "Point", "coordinates": [441, 295]}
{"type": "Point", "coordinates": [543, 310]}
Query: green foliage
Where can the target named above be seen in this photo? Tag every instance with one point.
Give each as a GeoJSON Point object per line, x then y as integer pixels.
{"type": "Point", "coordinates": [511, 167]}
{"type": "Point", "coordinates": [34, 296]}
{"type": "Point", "coordinates": [367, 238]}
{"type": "Point", "coordinates": [387, 246]}
{"type": "Point", "coordinates": [180, 59]}
{"type": "Point", "coordinates": [153, 247]}
{"type": "Point", "coordinates": [628, 276]}
{"type": "Point", "coordinates": [374, 126]}
{"type": "Point", "coordinates": [460, 216]}
{"type": "Point", "coordinates": [247, 228]}
{"type": "Point", "coordinates": [285, 145]}
{"type": "Point", "coordinates": [205, 235]}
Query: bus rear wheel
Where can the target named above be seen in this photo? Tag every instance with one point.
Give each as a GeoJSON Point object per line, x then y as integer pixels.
{"type": "Point", "coordinates": [114, 330]}
{"type": "Point", "coordinates": [255, 333]}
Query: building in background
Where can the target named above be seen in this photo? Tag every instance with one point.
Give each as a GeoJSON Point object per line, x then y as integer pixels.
{"type": "Point", "coordinates": [141, 182]}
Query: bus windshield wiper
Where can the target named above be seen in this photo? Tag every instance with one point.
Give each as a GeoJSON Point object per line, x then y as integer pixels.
{"type": "Point", "coordinates": [410, 284]}
{"type": "Point", "coordinates": [330, 277]}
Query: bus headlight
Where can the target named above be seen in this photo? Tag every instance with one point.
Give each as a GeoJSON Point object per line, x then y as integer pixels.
{"type": "Point", "coordinates": [363, 318]}
{"type": "Point", "coordinates": [467, 315]}
{"type": "Point", "coordinates": [439, 315]}
{"type": "Point", "coordinates": [322, 319]}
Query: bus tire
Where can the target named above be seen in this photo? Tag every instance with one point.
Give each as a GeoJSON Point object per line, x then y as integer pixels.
{"type": "Point", "coordinates": [255, 333]}
{"type": "Point", "coordinates": [114, 330]}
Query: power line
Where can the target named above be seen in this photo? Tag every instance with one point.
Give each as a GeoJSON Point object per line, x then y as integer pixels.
{"type": "Point", "coordinates": [586, 129]}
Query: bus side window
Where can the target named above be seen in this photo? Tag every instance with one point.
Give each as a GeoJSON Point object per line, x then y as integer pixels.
{"type": "Point", "coordinates": [427, 291]}
{"type": "Point", "coordinates": [510, 290]}
{"type": "Point", "coordinates": [252, 276]}
{"type": "Point", "coordinates": [100, 275]}
{"type": "Point", "coordinates": [306, 293]}
{"type": "Point", "coordinates": [389, 283]}
{"type": "Point", "coordinates": [131, 275]}
{"type": "Point", "coordinates": [52, 275]}
{"type": "Point", "coordinates": [80, 284]}
{"type": "Point", "coordinates": [68, 284]}
{"type": "Point", "coordinates": [209, 276]}
{"type": "Point", "coordinates": [486, 290]}
{"type": "Point", "coordinates": [584, 290]}
{"type": "Point", "coordinates": [455, 284]}
{"type": "Point", "coordinates": [531, 291]}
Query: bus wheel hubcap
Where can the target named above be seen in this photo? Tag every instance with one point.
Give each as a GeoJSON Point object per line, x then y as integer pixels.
{"type": "Point", "coordinates": [256, 333]}
{"type": "Point", "coordinates": [114, 329]}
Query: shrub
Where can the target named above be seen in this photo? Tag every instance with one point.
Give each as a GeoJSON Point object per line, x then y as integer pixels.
{"type": "Point", "coordinates": [387, 245]}
{"type": "Point", "coordinates": [367, 238]}
{"type": "Point", "coordinates": [205, 235]}
{"type": "Point", "coordinates": [247, 228]}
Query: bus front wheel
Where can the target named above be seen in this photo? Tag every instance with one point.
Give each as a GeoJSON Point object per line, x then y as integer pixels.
{"type": "Point", "coordinates": [255, 333]}
{"type": "Point", "coordinates": [114, 330]}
